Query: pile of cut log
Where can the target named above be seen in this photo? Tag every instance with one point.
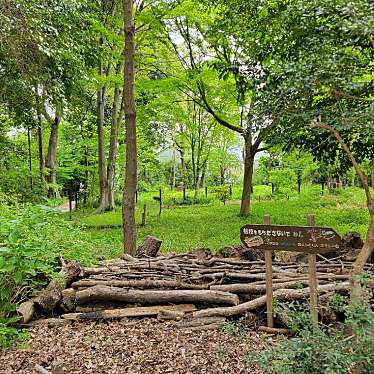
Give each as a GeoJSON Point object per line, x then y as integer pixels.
{"type": "Point", "coordinates": [196, 292]}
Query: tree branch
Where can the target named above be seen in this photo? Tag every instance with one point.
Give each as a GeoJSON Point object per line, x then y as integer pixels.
{"type": "Point", "coordinates": [355, 164]}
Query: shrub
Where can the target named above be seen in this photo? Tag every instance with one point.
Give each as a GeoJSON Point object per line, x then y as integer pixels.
{"type": "Point", "coordinates": [346, 348]}
{"type": "Point", "coordinates": [31, 240]}
{"type": "Point", "coordinates": [222, 193]}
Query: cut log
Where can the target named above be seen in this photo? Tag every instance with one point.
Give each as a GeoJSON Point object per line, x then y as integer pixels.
{"type": "Point", "coordinates": [105, 293]}
{"type": "Point", "coordinates": [254, 289]}
{"type": "Point", "coordinates": [281, 294]}
{"type": "Point", "coordinates": [274, 330]}
{"type": "Point", "coordinates": [68, 292]}
{"type": "Point", "coordinates": [170, 315]}
{"type": "Point", "coordinates": [129, 312]}
{"type": "Point", "coordinates": [144, 283]}
{"type": "Point", "coordinates": [27, 310]}
{"type": "Point", "coordinates": [150, 247]}
{"type": "Point", "coordinates": [49, 298]}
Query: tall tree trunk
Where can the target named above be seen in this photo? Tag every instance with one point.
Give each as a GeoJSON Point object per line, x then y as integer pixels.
{"type": "Point", "coordinates": [128, 206]}
{"type": "Point", "coordinates": [249, 155]}
{"type": "Point", "coordinates": [41, 153]}
{"type": "Point", "coordinates": [113, 144]}
{"type": "Point", "coordinates": [51, 158]}
{"type": "Point", "coordinates": [100, 110]}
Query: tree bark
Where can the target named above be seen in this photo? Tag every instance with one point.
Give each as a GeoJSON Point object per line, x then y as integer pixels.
{"type": "Point", "coordinates": [113, 147]}
{"type": "Point", "coordinates": [249, 155]}
{"type": "Point", "coordinates": [129, 312]}
{"type": "Point", "coordinates": [49, 298]}
{"type": "Point", "coordinates": [150, 247]}
{"type": "Point", "coordinates": [41, 153]}
{"type": "Point", "coordinates": [141, 283]}
{"type": "Point", "coordinates": [281, 294]}
{"type": "Point", "coordinates": [128, 206]}
{"type": "Point", "coordinates": [105, 293]}
{"type": "Point", "coordinates": [30, 158]}
{"type": "Point", "coordinates": [51, 158]}
{"type": "Point", "coordinates": [100, 110]}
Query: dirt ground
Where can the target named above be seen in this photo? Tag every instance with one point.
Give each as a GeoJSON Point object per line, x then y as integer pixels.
{"type": "Point", "coordinates": [148, 346]}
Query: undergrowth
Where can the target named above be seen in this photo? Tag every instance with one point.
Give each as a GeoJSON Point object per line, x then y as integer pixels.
{"type": "Point", "coordinates": [347, 347]}
{"type": "Point", "coordinates": [32, 238]}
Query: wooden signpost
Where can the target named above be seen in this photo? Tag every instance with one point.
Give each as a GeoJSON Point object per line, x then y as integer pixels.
{"type": "Point", "coordinates": [307, 239]}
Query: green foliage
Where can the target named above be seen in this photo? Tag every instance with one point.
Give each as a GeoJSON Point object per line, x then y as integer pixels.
{"type": "Point", "coordinates": [298, 316]}
{"type": "Point", "coordinates": [346, 348]}
{"type": "Point", "coordinates": [222, 193]}
{"type": "Point", "coordinates": [215, 225]}
{"type": "Point", "coordinates": [8, 334]}
{"type": "Point", "coordinates": [284, 181]}
{"type": "Point", "coordinates": [235, 328]}
{"type": "Point", "coordinates": [31, 239]}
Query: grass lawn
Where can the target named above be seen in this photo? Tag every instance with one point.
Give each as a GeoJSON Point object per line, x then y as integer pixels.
{"type": "Point", "coordinates": [214, 225]}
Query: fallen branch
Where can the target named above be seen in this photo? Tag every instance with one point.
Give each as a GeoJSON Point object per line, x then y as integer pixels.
{"type": "Point", "coordinates": [281, 294]}
{"type": "Point", "coordinates": [274, 330]}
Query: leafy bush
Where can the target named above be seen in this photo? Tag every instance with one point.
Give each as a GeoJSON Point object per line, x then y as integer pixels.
{"type": "Point", "coordinates": [9, 334]}
{"type": "Point", "coordinates": [31, 240]}
{"type": "Point", "coordinates": [175, 201]}
{"type": "Point", "coordinates": [235, 328]}
{"type": "Point", "coordinates": [222, 193]}
{"type": "Point", "coordinates": [346, 348]}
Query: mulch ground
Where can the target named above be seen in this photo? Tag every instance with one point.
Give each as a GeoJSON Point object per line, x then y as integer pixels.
{"type": "Point", "coordinates": [148, 346]}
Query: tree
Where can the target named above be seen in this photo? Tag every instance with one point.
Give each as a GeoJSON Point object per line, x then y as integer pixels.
{"type": "Point", "coordinates": [323, 53]}
{"type": "Point", "coordinates": [128, 205]}
{"type": "Point", "coordinates": [215, 67]}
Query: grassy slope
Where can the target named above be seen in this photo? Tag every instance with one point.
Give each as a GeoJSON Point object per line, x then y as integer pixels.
{"type": "Point", "coordinates": [215, 225]}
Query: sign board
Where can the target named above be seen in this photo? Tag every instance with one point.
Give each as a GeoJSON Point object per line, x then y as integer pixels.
{"type": "Point", "coordinates": [307, 239]}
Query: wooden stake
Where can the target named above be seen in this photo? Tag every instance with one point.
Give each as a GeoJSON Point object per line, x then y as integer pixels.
{"type": "Point", "coordinates": [312, 258]}
{"type": "Point", "coordinates": [269, 280]}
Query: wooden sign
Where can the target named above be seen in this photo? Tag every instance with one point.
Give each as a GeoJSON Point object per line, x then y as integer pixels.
{"type": "Point", "coordinates": [307, 239]}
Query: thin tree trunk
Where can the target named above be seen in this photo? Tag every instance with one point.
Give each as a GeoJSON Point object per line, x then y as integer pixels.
{"type": "Point", "coordinates": [51, 158]}
{"type": "Point", "coordinates": [113, 147]}
{"type": "Point", "coordinates": [100, 108]}
{"type": "Point", "coordinates": [128, 206]}
{"type": "Point", "coordinates": [41, 153]}
{"type": "Point", "coordinates": [248, 174]}
{"type": "Point", "coordinates": [174, 180]}
{"type": "Point", "coordinates": [30, 157]}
